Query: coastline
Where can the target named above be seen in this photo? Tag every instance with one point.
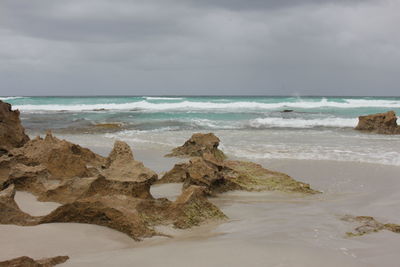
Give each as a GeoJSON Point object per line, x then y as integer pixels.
{"type": "Point", "coordinates": [265, 228]}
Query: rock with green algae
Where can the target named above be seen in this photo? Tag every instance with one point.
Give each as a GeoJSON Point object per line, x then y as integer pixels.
{"type": "Point", "coordinates": [197, 145]}
{"type": "Point", "coordinates": [135, 217]}
{"type": "Point", "coordinates": [25, 261]}
{"type": "Point", "coordinates": [222, 176]}
{"type": "Point", "coordinates": [369, 225]}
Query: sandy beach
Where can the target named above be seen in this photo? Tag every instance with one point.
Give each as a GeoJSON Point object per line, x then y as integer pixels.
{"type": "Point", "coordinates": [263, 229]}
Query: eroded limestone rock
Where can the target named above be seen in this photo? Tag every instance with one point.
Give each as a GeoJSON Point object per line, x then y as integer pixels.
{"type": "Point", "coordinates": [233, 175]}
{"type": "Point", "coordinates": [10, 212]}
{"type": "Point", "coordinates": [369, 225]}
{"type": "Point", "coordinates": [12, 134]}
{"type": "Point", "coordinates": [25, 261]}
{"type": "Point", "coordinates": [381, 123]}
{"type": "Point", "coordinates": [135, 216]}
{"type": "Point", "coordinates": [197, 145]}
{"type": "Point", "coordinates": [61, 158]}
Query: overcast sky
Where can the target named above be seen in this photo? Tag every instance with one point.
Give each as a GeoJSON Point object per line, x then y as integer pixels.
{"type": "Point", "coordinates": [195, 47]}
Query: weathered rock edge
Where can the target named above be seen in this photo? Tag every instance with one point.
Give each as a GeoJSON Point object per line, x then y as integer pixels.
{"type": "Point", "coordinates": [369, 225]}
{"type": "Point", "coordinates": [29, 262]}
{"type": "Point", "coordinates": [220, 175]}
{"type": "Point", "coordinates": [197, 145]}
{"type": "Point", "coordinates": [380, 123]}
{"type": "Point", "coordinates": [12, 134]}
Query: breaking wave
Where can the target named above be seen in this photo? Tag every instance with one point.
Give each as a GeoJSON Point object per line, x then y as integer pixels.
{"type": "Point", "coordinates": [210, 105]}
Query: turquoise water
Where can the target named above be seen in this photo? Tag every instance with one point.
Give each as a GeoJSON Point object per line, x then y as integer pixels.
{"type": "Point", "coordinates": [200, 113]}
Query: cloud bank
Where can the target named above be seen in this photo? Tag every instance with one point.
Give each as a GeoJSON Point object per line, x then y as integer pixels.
{"type": "Point", "coordinates": [160, 47]}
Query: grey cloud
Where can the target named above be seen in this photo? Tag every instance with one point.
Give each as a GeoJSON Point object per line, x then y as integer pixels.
{"type": "Point", "coordinates": [199, 47]}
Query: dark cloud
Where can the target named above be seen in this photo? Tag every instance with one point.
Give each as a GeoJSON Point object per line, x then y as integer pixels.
{"type": "Point", "coordinates": [199, 47]}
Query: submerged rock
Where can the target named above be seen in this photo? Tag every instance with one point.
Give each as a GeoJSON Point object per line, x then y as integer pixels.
{"type": "Point", "coordinates": [197, 145]}
{"type": "Point", "coordinates": [232, 175]}
{"type": "Point", "coordinates": [381, 123]}
{"type": "Point", "coordinates": [369, 225]}
{"type": "Point", "coordinates": [12, 134]}
{"type": "Point", "coordinates": [25, 261]}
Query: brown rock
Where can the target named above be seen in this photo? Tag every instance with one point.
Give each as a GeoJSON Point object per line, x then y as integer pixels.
{"type": "Point", "coordinates": [197, 145]}
{"type": "Point", "coordinates": [369, 225]}
{"type": "Point", "coordinates": [135, 216]}
{"type": "Point", "coordinates": [233, 175]}
{"type": "Point", "coordinates": [381, 123]}
{"type": "Point", "coordinates": [124, 174]}
{"type": "Point", "coordinates": [61, 158]}
{"type": "Point", "coordinates": [25, 261]}
{"type": "Point", "coordinates": [116, 212]}
{"type": "Point", "coordinates": [10, 212]}
{"type": "Point", "coordinates": [12, 134]}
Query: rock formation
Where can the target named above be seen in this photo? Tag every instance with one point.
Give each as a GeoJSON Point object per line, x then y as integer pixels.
{"type": "Point", "coordinates": [381, 123]}
{"type": "Point", "coordinates": [369, 225]}
{"type": "Point", "coordinates": [10, 212]}
{"type": "Point", "coordinates": [221, 176]}
{"type": "Point", "coordinates": [197, 145]}
{"type": "Point", "coordinates": [112, 191]}
{"type": "Point", "coordinates": [133, 216]}
{"type": "Point", "coordinates": [29, 262]}
{"type": "Point", "coordinates": [12, 134]}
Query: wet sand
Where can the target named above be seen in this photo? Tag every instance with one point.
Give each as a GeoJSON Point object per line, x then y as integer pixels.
{"type": "Point", "coordinates": [264, 229]}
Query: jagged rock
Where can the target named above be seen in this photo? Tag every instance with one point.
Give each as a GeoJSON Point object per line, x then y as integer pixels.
{"type": "Point", "coordinates": [117, 212]}
{"type": "Point", "coordinates": [197, 145]}
{"type": "Point", "coordinates": [68, 190]}
{"type": "Point", "coordinates": [233, 175]}
{"type": "Point", "coordinates": [61, 158]}
{"type": "Point", "coordinates": [10, 212]}
{"type": "Point", "coordinates": [192, 208]}
{"type": "Point", "coordinates": [124, 174]}
{"type": "Point", "coordinates": [135, 216]}
{"type": "Point", "coordinates": [381, 123]}
{"type": "Point", "coordinates": [25, 261]}
{"type": "Point", "coordinates": [369, 225]}
{"type": "Point", "coordinates": [12, 134]}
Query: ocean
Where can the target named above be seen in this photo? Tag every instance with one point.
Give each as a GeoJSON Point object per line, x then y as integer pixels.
{"type": "Point", "coordinates": [250, 127]}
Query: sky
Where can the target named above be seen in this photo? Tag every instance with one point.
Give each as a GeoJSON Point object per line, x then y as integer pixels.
{"type": "Point", "coordinates": [194, 47]}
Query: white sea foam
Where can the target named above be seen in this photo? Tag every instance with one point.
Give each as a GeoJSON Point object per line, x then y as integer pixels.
{"type": "Point", "coordinates": [302, 123]}
{"type": "Point", "coordinates": [162, 98]}
{"type": "Point", "coordinates": [232, 106]}
{"type": "Point", "coordinates": [10, 97]}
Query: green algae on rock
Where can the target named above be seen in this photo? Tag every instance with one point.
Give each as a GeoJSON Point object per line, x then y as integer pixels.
{"type": "Point", "coordinates": [369, 225]}
{"type": "Point", "coordinates": [222, 176]}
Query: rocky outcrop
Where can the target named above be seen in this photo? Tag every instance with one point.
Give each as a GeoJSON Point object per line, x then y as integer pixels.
{"type": "Point", "coordinates": [61, 158]}
{"type": "Point", "coordinates": [29, 262]}
{"type": "Point", "coordinates": [112, 192]}
{"type": "Point", "coordinates": [381, 123]}
{"type": "Point", "coordinates": [133, 216]}
{"type": "Point", "coordinates": [232, 175]}
{"type": "Point", "coordinates": [197, 145]}
{"type": "Point", "coordinates": [10, 212]}
{"type": "Point", "coordinates": [369, 225]}
{"type": "Point", "coordinates": [12, 134]}
{"type": "Point", "coordinates": [123, 173]}
{"type": "Point", "coordinates": [137, 217]}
